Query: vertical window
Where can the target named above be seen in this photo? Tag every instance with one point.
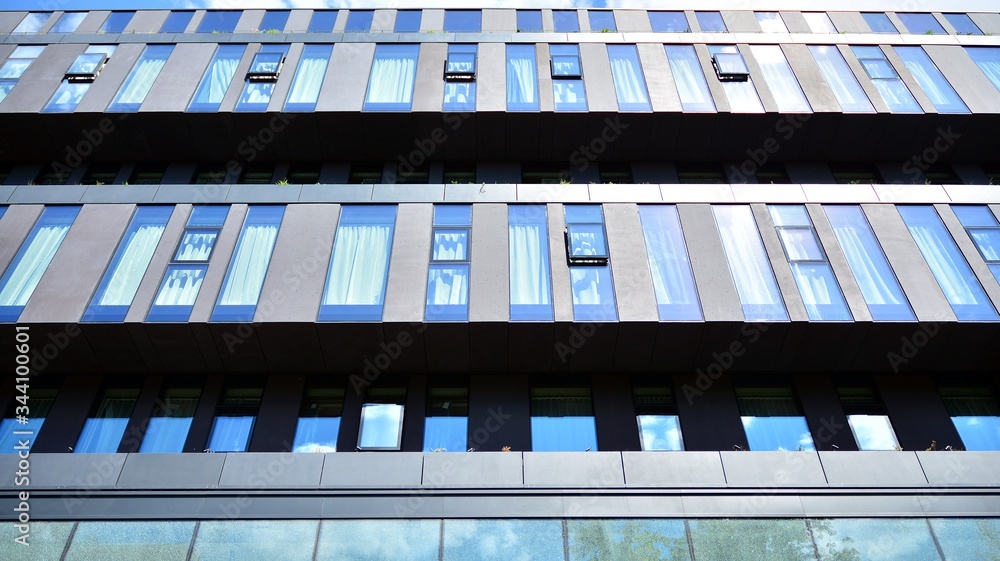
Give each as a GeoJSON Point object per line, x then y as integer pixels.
{"type": "Point", "coordinates": [460, 78]}
{"type": "Point", "coordinates": [187, 268]}
{"type": "Point", "coordinates": [309, 78]}
{"type": "Point", "coordinates": [689, 78]}
{"type": "Point", "coordinates": [15, 65]}
{"type": "Point", "coordinates": [319, 419]}
{"type": "Point", "coordinates": [382, 419]}
{"type": "Point", "coordinates": [819, 22]}
{"type": "Point", "coordinates": [217, 79]}
{"type": "Point", "coordinates": [602, 21]}
{"type": "Point", "coordinates": [976, 416]}
{"type": "Point", "coordinates": [953, 274]}
{"type": "Point", "coordinates": [168, 426]}
{"type": "Point", "coordinates": [562, 420]}
{"type": "Point", "coordinates": [771, 22]}
{"type": "Point", "coordinates": [841, 80]}
{"type": "Point", "coordinates": [322, 21]}
{"type": "Point", "coordinates": [924, 24]}
{"type": "Point", "coordinates": [529, 21]}
{"type": "Point", "coordinates": [359, 21]}
{"type": "Point", "coordinates": [670, 22]}
{"type": "Point", "coordinates": [656, 413]}
{"type": "Point", "coordinates": [234, 419]}
{"type": "Point", "coordinates": [566, 21]}
{"type": "Point", "coordinates": [879, 22]}
{"type": "Point", "coordinates": [772, 419]}
{"type": "Point", "coordinates": [117, 22]}
{"type": "Point", "coordinates": [177, 22]}
{"type": "Point", "coordinates": [530, 278]}
{"type": "Point", "coordinates": [711, 22]}
{"type": "Point", "coordinates": [630, 84]}
{"type": "Point", "coordinates": [931, 80]}
{"type": "Point", "coordinates": [407, 21]}
{"type": "Point", "coordinates": [749, 264]}
{"type": "Point", "coordinates": [567, 78]}
{"type": "Point", "coordinates": [522, 78]}
{"type": "Point", "coordinates": [31, 23]}
{"type": "Point", "coordinates": [887, 82]}
{"type": "Point", "coordinates": [219, 22]}
{"type": "Point", "coordinates": [359, 267]}
{"type": "Point", "coordinates": [33, 258]}
{"type": "Point", "coordinates": [448, 276]}
{"type": "Point", "coordinates": [813, 274]}
{"type": "Point", "coordinates": [394, 71]}
{"type": "Point", "coordinates": [274, 21]}
{"type": "Point", "coordinates": [732, 71]}
{"type": "Point", "coordinates": [139, 81]}
{"type": "Point", "coordinates": [245, 277]}
{"type": "Point", "coordinates": [984, 230]}
{"type": "Point", "coordinates": [121, 279]}
{"type": "Point", "coordinates": [780, 79]}
{"type": "Point", "coordinates": [669, 264]}
{"type": "Point", "coordinates": [102, 433]}
{"type": "Point", "coordinates": [261, 78]}
{"type": "Point", "coordinates": [963, 24]}
{"type": "Point", "coordinates": [588, 256]}
{"type": "Point", "coordinates": [987, 58]}
{"type": "Point", "coordinates": [463, 21]}
{"type": "Point", "coordinates": [446, 425]}
{"type": "Point", "coordinates": [68, 22]}
{"type": "Point", "coordinates": [39, 404]}
{"type": "Point", "coordinates": [878, 284]}
{"type": "Point", "coordinates": [78, 78]}
{"type": "Point", "coordinates": [868, 419]}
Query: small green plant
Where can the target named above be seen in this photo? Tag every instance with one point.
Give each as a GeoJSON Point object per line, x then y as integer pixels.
{"type": "Point", "coordinates": [605, 30]}
{"type": "Point", "coordinates": [215, 32]}
{"type": "Point", "coordinates": [283, 182]}
{"type": "Point", "coordinates": [98, 183]}
{"type": "Point", "coordinates": [929, 32]}
{"type": "Point", "coordinates": [272, 31]}
{"type": "Point", "coordinates": [564, 181]}
{"type": "Point", "coordinates": [125, 183]}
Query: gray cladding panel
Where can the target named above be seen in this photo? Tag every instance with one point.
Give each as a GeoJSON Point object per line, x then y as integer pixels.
{"type": "Point", "coordinates": [171, 471]}
{"type": "Point", "coordinates": [571, 469]}
{"type": "Point", "coordinates": [146, 293]}
{"type": "Point", "coordinates": [9, 20]}
{"type": "Point", "coordinates": [741, 21]}
{"type": "Point", "coordinates": [499, 20]}
{"type": "Point", "coordinates": [428, 91]}
{"type": "Point", "coordinates": [600, 84]}
{"type": "Point", "coordinates": [849, 22]}
{"type": "Point", "coordinates": [562, 293]}
{"type": "Point", "coordinates": [179, 77]}
{"type": "Point", "coordinates": [489, 292]}
{"type": "Point", "coordinates": [773, 469]}
{"type": "Point", "coordinates": [15, 225]}
{"type": "Point", "coordinates": [633, 282]}
{"type": "Point", "coordinates": [344, 87]}
{"type": "Point", "coordinates": [259, 470]}
{"type": "Point", "coordinates": [803, 65]}
{"type": "Point", "coordinates": [221, 254]}
{"type": "Point", "coordinates": [956, 469]}
{"type": "Point", "coordinates": [632, 20]}
{"type": "Point", "coordinates": [41, 79]}
{"type": "Point", "coordinates": [716, 287]}
{"type": "Point", "coordinates": [873, 469]}
{"type": "Point", "coordinates": [147, 21]}
{"type": "Point", "coordinates": [481, 469]}
{"type": "Point", "coordinates": [965, 76]}
{"type": "Point", "coordinates": [373, 470]}
{"type": "Point", "coordinates": [100, 94]}
{"type": "Point", "coordinates": [659, 80]}
{"type": "Point", "coordinates": [80, 471]}
{"type": "Point", "coordinates": [687, 469]}
{"type": "Point", "coordinates": [841, 267]}
{"type": "Point", "coordinates": [406, 289]}
{"type": "Point", "coordinates": [779, 263]}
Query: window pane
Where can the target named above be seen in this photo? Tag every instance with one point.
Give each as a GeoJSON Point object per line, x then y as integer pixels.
{"type": "Point", "coordinates": [566, 21]}
{"type": "Point", "coordinates": [879, 22]}
{"type": "Point", "coordinates": [742, 96]}
{"type": "Point", "coordinates": [450, 245]}
{"type": "Point", "coordinates": [139, 81]}
{"type": "Point", "coordinates": [627, 540]}
{"type": "Point", "coordinates": [5, 88]}
{"type": "Point", "coordinates": [407, 21]}
{"type": "Point", "coordinates": [530, 280]}
{"type": "Point", "coordinates": [976, 415]}
{"type": "Point", "coordinates": [47, 539]}
{"type": "Point", "coordinates": [841, 80]}
{"type": "Point", "coordinates": [359, 21]}
{"type": "Point", "coordinates": [256, 540]}
{"type": "Point", "coordinates": [274, 21]}
{"type": "Point", "coordinates": [34, 256]}
{"type": "Point", "coordinates": [102, 433]}
{"type": "Point", "coordinates": [322, 21]}
{"type": "Point", "coordinates": [168, 426]}
{"type": "Point", "coordinates": [660, 432]}
{"type": "Point", "coordinates": [217, 79]}
{"type": "Point", "coordinates": [562, 420]}
{"type": "Point", "coordinates": [689, 78]}
{"type": "Point", "coordinates": [494, 540]}
{"type": "Point", "coordinates": [963, 538]}
{"type": "Point", "coordinates": [529, 20]}
{"type": "Point", "coordinates": [231, 434]}
{"type": "Point", "coordinates": [176, 22]}
{"type": "Point", "coordinates": [68, 22]}
{"type": "Point", "coordinates": [630, 84]}
{"type": "Point", "coordinates": [381, 426]}
{"type": "Point", "coordinates": [393, 73]}
{"type": "Point", "coordinates": [873, 432]}
{"type": "Point", "coordinates": [219, 22]}
{"type": "Point", "coordinates": [771, 22]}
{"type": "Point", "coordinates": [813, 274]}
{"type": "Point", "coordinates": [780, 78]}
{"type": "Point", "coordinates": [447, 420]}
{"type": "Point", "coordinates": [751, 540]}
{"type": "Point", "coordinates": [988, 60]}
{"type": "Point", "coordinates": [371, 540]}
{"type": "Point", "coordinates": [248, 267]}
{"type": "Point", "coordinates": [673, 22]}
{"type": "Point", "coordinates": [355, 285]}
{"type": "Point", "coordinates": [963, 24]}
{"type": "Point", "coordinates": [669, 264]}
{"type": "Point", "coordinates": [67, 97]}
{"type": "Point", "coordinates": [920, 23]}
{"type": "Point", "coordinates": [602, 21]}
{"type": "Point", "coordinates": [772, 420]}
{"type": "Point", "coordinates": [819, 22]}
{"type": "Point", "coordinates": [127, 541]}
{"type": "Point", "coordinates": [876, 538]}
{"type": "Point", "coordinates": [931, 80]}
{"type": "Point", "coordinates": [319, 420]}
{"type": "Point", "coordinates": [448, 293]}
{"type": "Point", "coordinates": [749, 264]}
{"type": "Point", "coordinates": [522, 78]}
{"type": "Point", "coordinates": [711, 22]}
{"type": "Point", "coordinates": [32, 22]}
{"type": "Point", "coordinates": [13, 432]}
{"type": "Point", "coordinates": [463, 20]}
{"type": "Point", "coordinates": [887, 82]}
{"type": "Point", "coordinates": [117, 22]}
{"type": "Point", "coordinates": [309, 78]}
{"type": "Point", "coordinates": [569, 95]}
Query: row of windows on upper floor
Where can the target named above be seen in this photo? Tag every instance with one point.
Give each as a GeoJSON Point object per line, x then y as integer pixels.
{"type": "Point", "coordinates": [564, 21]}
{"type": "Point", "coordinates": [393, 77]}
{"type": "Point", "coordinates": [363, 246]}
{"type": "Point", "coordinates": [562, 416]}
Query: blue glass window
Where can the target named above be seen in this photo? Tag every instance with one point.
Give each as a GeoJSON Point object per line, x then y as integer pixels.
{"type": "Point", "coordinates": [711, 22]}
{"type": "Point", "coordinates": [382, 419]}
{"type": "Point", "coordinates": [602, 21]}
{"type": "Point", "coordinates": [868, 419]}
{"type": "Point", "coordinates": [630, 84]}
{"type": "Point", "coordinates": [448, 276]}
{"type": "Point", "coordinates": [562, 420]}
{"type": "Point", "coordinates": [32, 22]}
{"type": "Point", "coordinates": [309, 77]}
{"type": "Point", "coordinates": [567, 78]}
{"type": "Point", "coordinates": [772, 419]}
{"type": "Point", "coordinates": [219, 22]}
{"type": "Point", "coordinates": [987, 58]}
{"type": "Point", "coordinates": [779, 76]}
{"type": "Point", "coordinates": [458, 21]}
{"type": "Point", "coordinates": [963, 24]}
{"type": "Point", "coordinates": [590, 272]}
{"type": "Point", "coordinates": [669, 264]}
{"type": "Point", "coordinates": [274, 21]}
{"type": "Point", "coordinates": [813, 274]}
{"type": "Point", "coordinates": [479, 540]}
{"type": "Point", "coordinates": [976, 415]}
{"type": "Point", "coordinates": [177, 22]}
{"type": "Point", "coordinates": [168, 426]}
{"type": "Point", "coordinates": [68, 22]}
{"type": "Point", "coordinates": [656, 413]}
{"type": "Point", "coordinates": [960, 286]}
{"type": "Point", "coordinates": [530, 277]}
{"type": "Point", "coordinates": [34, 256]}
{"type": "Point", "coordinates": [355, 285]}
{"type": "Point", "coordinates": [117, 22]}
{"type": "Point", "coordinates": [460, 78]}
{"type": "Point", "coordinates": [670, 22]}
{"type": "Point", "coordinates": [234, 419]}
{"type": "Point", "coordinates": [78, 78]}
{"type": "Point", "coordinates": [217, 79]}
{"type": "Point", "coordinates": [5, 88]}
{"type": "Point", "coordinates": [187, 269]}
{"type": "Point", "coordinates": [261, 78]}
{"type": "Point", "coordinates": [319, 420]}
{"type": "Point", "coordinates": [749, 264]}
{"type": "Point", "coordinates": [15, 65]}
{"type": "Point", "coordinates": [566, 21]}
{"type": "Point", "coordinates": [359, 21]}
{"type": "Point", "coordinates": [407, 21]}
{"type": "Point", "coordinates": [689, 78]}
{"type": "Point", "coordinates": [887, 82]}
{"type": "Point", "coordinates": [140, 80]}
{"type": "Point", "coordinates": [245, 277]}
{"type": "Point", "coordinates": [924, 24]}
{"type": "Point", "coordinates": [734, 75]}
{"type": "Point", "coordinates": [446, 424]}
{"type": "Point", "coordinates": [522, 78]}
{"type": "Point", "coordinates": [121, 279]}
{"type": "Point", "coordinates": [881, 290]}
{"type": "Point", "coordinates": [394, 71]}
{"type": "Point", "coordinates": [879, 22]}
{"type": "Point", "coordinates": [529, 21]}
{"type": "Point", "coordinates": [322, 21]}
{"type": "Point", "coordinates": [102, 433]}
{"type": "Point", "coordinates": [819, 22]}
{"type": "Point", "coordinates": [841, 80]}
{"type": "Point", "coordinates": [771, 22]}
{"type": "Point", "coordinates": [984, 230]}
{"type": "Point", "coordinates": [934, 84]}
{"type": "Point", "coordinates": [12, 432]}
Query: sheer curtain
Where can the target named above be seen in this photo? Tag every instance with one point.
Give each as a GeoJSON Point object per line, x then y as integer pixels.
{"type": "Point", "coordinates": [945, 265]}
{"type": "Point", "coordinates": [359, 265]}
{"type": "Point", "coordinates": [988, 60]}
{"type": "Point", "coordinates": [141, 79]}
{"type": "Point", "coordinates": [840, 79]}
{"type": "Point", "coordinates": [870, 272]}
{"type": "Point", "coordinates": [231, 434]}
{"type": "Point", "coordinates": [780, 79]}
{"type": "Point", "coordinates": [310, 75]}
{"type": "Point", "coordinates": [132, 266]}
{"type": "Point", "coordinates": [689, 78]}
{"type": "Point", "coordinates": [522, 77]}
{"type": "Point", "coordinates": [103, 433]}
{"type": "Point", "coordinates": [667, 255]}
{"type": "Point", "coordinates": [22, 281]}
{"type": "Point", "coordinates": [629, 82]}
{"type": "Point", "coordinates": [393, 75]}
{"type": "Point", "coordinates": [197, 246]}
{"type": "Point", "coordinates": [529, 265]}
{"type": "Point", "coordinates": [249, 266]}
{"type": "Point", "coordinates": [448, 284]}
{"type": "Point", "coordinates": [181, 286]}
{"type": "Point", "coordinates": [934, 84]}
{"type": "Point", "coordinates": [220, 74]}
{"type": "Point", "coordinates": [749, 263]}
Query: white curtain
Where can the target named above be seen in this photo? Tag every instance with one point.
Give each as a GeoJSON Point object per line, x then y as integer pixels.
{"type": "Point", "coordinates": [141, 80]}
{"type": "Point", "coordinates": [689, 78]}
{"type": "Point", "coordinates": [359, 265]}
{"type": "Point", "coordinates": [529, 265]}
{"type": "Point", "coordinates": [944, 264]}
{"type": "Point", "coordinates": [780, 79]}
{"type": "Point", "coordinates": [869, 273]}
{"type": "Point", "coordinates": [522, 76]}
{"type": "Point", "coordinates": [249, 266]}
{"type": "Point", "coordinates": [586, 283]}
{"type": "Point", "coordinates": [569, 92]}
{"type": "Point", "coordinates": [895, 94]}
{"type": "Point", "coordinates": [220, 75]}
{"type": "Point", "coordinates": [933, 84]}
{"type": "Point", "coordinates": [231, 434]}
{"type": "Point", "coordinates": [132, 266]}
{"type": "Point", "coordinates": [748, 261]}
{"type": "Point", "coordinates": [457, 93]}
{"type": "Point", "coordinates": [817, 289]}
{"type": "Point", "coordinates": [392, 79]}
{"type": "Point", "coordinates": [32, 265]}
{"type": "Point", "coordinates": [988, 60]}
{"type": "Point", "coordinates": [181, 287]}
{"type": "Point", "coordinates": [742, 97]}
{"type": "Point", "coordinates": [840, 79]}
{"type": "Point", "coordinates": [450, 246]}
{"type": "Point", "coordinates": [448, 285]}
{"type": "Point", "coordinates": [668, 259]}
{"type": "Point", "coordinates": [628, 81]}
{"type": "Point", "coordinates": [197, 246]}
{"type": "Point", "coordinates": [309, 78]}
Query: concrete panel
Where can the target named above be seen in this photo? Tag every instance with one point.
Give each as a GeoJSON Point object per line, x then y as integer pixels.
{"type": "Point", "coordinates": [546, 96]}
{"type": "Point", "coordinates": [221, 256]}
{"type": "Point", "coordinates": [911, 193]}
{"type": "Point", "coordinates": [499, 20]}
{"type": "Point", "coordinates": [80, 471]}
{"type": "Point", "coordinates": [665, 469]}
{"type": "Point", "coordinates": [716, 287]}
{"type": "Point", "coordinates": [158, 264]}
{"type": "Point", "coordinates": [100, 94]}
{"type": "Point", "coordinates": [428, 91]}
{"type": "Point", "coordinates": [841, 267]}
{"type": "Point", "coordinates": [432, 20]}
{"type": "Point", "coordinates": [988, 23]}
{"type": "Point", "coordinates": [147, 21]}
{"type": "Point", "coordinates": [714, 85]}
{"type": "Point", "coordinates": [408, 193]}
{"type": "Point", "coordinates": [9, 20]}
{"type": "Point", "coordinates": [373, 470]}
{"type": "Point", "coordinates": [489, 293]}
{"type": "Point", "coordinates": [622, 193]}
{"type": "Point", "coordinates": [90, 24]}
{"type": "Point", "coordinates": [779, 263]}
{"type": "Point", "coordinates": [179, 78]}
{"type": "Point", "coordinates": [171, 471]}
{"type": "Point", "coordinates": [298, 21]}
{"type": "Point", "coordinates": [959, 469]}
{"type": "Point", "coordinates": [297, 273]}
{"type": "Point", "coordinates": [842, 194]}
{"type": "Point", "coordinates": [972, 194]}
{"type": "Point", "coordinates": [41, 79]}
{"type": "Point", "coordinates": [284, 83]}
{"type": "Point", "coordinates": [965, 76]}
{"type": "Point", "coordinates": [873, 469]}
{"type": "Point", "coordinates": [819, 94]}
{"type": "Point", "coordinates": [65, 289]}
{"type": "Point", "coordinates": [573, 469]}
{"type": "Point", "coordinates": [383, 21]}
{"type": "Point", "coordinates": [849, 22]}
{"type": "Point", "coordinates": [480, 469]}
{"type": "Point", "coordinates": [532, 193]}
{"type": "Point", "coordinates": [795, 23]}
{"type": "Point", "coordinates": [773, 469]}
{"type": "Point", "coordinates": [632, 20]}
{"type": "Point", "coordinates": [741, 22]}
{"type": "Point", "coordinates": [491, 77]}
{"type": "Point", "coordinates": [256, 470]}
{"type": "Point", "coordinates": [236, 86]}
{"type": "Point", "coordinates": [771, 194]}
{"type": "Point", "coordinates": [919, 285]}
{"type": "Point", "coordinates": [406, 289]}
{"type": "Point", "coordinates": [249, 22]}
{"type": "Point", "coordinates": [629, 262]}
{"type": "Point", "coordinates": [600, 83]}
{"type": "Point", "coordinates": [562, 293]}
{"type": "Point", "coordinates": [14, 228]}
{"type": "Point", "coordinates": [347, 77]}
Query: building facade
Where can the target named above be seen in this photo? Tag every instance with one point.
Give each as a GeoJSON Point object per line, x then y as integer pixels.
{"type": "Point", "coordinates": [501, 283]}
